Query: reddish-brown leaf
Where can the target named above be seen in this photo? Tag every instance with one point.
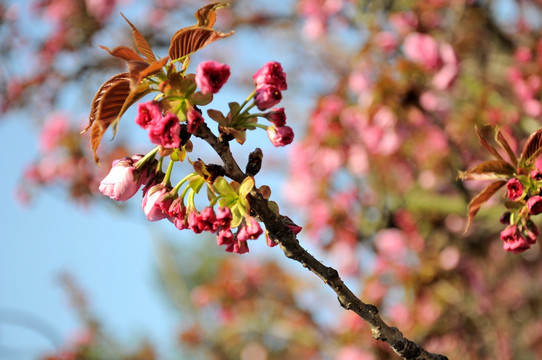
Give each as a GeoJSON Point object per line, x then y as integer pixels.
{"type": "Point", "coordinates": [142, 45]}
{"type": "Point", "coordinates": [487, 145]}
{"type": "Point", "coordinates": [96, 101]}
{"type": "Point", "coordinates": [124, 53]}
{"type": "Point", "coordinates": [206, 16]}
{"type": "Point", "coordinates": [152, 69]}
{"type": "Point", "coordinates": [188, 40]}
{"type": "Point", "coordinates": [504, 144]}
{"type": "Point", "coordinates": [481, 198]}
{"type": "Point", "coordinates": [533, 147]}
{"type": "Point", "coordinates": [489, 170]}
{"type": "Point", "coordinates": [135, 94]}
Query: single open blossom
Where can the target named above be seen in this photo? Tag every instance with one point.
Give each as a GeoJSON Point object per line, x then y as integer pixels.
{"type": "Point", "coordinates": [156, 202]}
{"type": "Point", "coordinates": [211, 76]}
{"type": "Point", "coordinates": [534, 204]}
{"type": "Point", "coordinates": [271, 74]}
{"type": "Point", "coordinates": [194, 222]}
{"type": "Point", "coordinates": [239, 247]}
{"type": "Point", "coordinates": [277, 116]}
{"type": "Point", "coordinates": [123, 179]}
{"type": "Point", "coordinates": [515, 189]}
{"type": "Point", "coordinates": [194, 120]}
{"type": "Point", "coordinates": [280, 136]}
{"type": "Point", "coordinates": [250, 230]}
{"type": "Point", "coordinates": [519, 238]}
{"type": "Point", "coordinates": [225, 237]}
{"type": "Point", "coordinates": [224, 217]}
{"type": "Point", "coordinates": [267, 96]}
{"type": "Point", "coordinates": [166, 132]}
{"type": "Point", "coordinates": [148, 113]}
{"type": "Point", "coordinates": [208, 220]}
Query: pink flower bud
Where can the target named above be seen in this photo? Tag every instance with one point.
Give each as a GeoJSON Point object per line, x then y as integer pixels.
{"type": "Point", "coordinates": [280, 136]}
{"type": "Point", "coordinates": [517, 239]}
{"type": "Point", "coordinates": [250, 230]}
{"type": "Point", "coordinates": [148, 113]}
{"type": "Point", "coordinates": [239, 247]}
{"type": "Point", "coordinates": [267, 96]}
{"type": "Point", "coordinates": [276, 116]}
{"type": "Point", "coordinates": [211, 76]}
{"type": "Point", "coordinates": [123, 180]}
{"type": "Point", "coordinates": [535, 205]}
{"type": "Point", "coordinates": [194, 119]}
{"type": "Point", "coordinates": [194, 222]}
{"type": "Point", "coordinates": [271, 74]}
{"type": "Point", "coordinates": [156, 202]}
{"type": "Point", "coordinates": [224, 217]}
{"type": "Point", "coordinates": [225, 237]}
{"type": "Point", "coordinates": [208, 220]}
{"type": "Point", "coordinates": [515, 189]}
{"type": "Point", "coordinates": [166, 132]}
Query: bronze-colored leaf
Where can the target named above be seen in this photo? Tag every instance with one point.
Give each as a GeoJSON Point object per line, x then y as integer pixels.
{"type": "Point", "coordinates": [96, 101]}
{"type": "Point", "coordinates": [206, 16]}
{"type": "Point", "coordinates": [481, 198]}
{"type": "Point", "coordinates": [106, 106]}
{"type": "Point", "coordinates": [504, 144]}
{"type": "Point", "coordinates": [189, 40]}
{"type": "Point", "coordinates": [142, 45]}
{"type": "Point", "coordinates": [152, 69]}
{"type": "Point", "coordinates": [124, 53]}
{"type": "Point", "coordinates": [489, 170]}
{"type": "Point", "coordinates": [533, 147]}
{"type": "Point", "coordinates": [135, 94]}
{"type": "Point", "coordinates": [135, 68]}
{"type": "Point", "coordinates": [487, 145]}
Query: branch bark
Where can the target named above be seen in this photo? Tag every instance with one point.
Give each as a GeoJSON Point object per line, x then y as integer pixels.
{"type": "Point", "coordinates": [289, 244]}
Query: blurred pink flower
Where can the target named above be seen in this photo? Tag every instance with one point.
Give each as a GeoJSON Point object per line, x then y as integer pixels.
{"type": "Point", "coordinates": [515, 189]}
{"type": "Point", "coordinates": [422, 49]}
{"type": "Point", "coordinates": [353, 353]}
{"type": "Point", "coordinates": [54, 130]}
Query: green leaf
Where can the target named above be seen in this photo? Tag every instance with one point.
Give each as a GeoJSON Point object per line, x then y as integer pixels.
{"type": "Point", "coordinates": [234, 107]}
{"type": "Point", "coordinates": [196, 183]}
{"type": "Point", "coordinates": [223, 188]}
{"type": "Point", "coordinates": [246, 186]}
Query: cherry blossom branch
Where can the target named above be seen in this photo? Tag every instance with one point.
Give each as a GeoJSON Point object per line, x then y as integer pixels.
{"type": "Point", "coordinates": [281, 234]}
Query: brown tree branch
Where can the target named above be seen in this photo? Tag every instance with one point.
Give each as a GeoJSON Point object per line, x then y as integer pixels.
{"type": "Point", "coordinates": [282, 235]}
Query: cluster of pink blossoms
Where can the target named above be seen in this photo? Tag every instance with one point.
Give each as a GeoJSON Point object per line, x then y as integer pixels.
{"type": "Point", "coordinates": [165, 129]}
{"type": "Point", "coordinates": [520, 232]}
{"type": "Point", "coordinates": [270, 80]}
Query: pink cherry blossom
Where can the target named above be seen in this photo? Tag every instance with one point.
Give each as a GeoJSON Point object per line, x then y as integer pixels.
{"type": "Point", "coordinates": [124, 179]}
{"type": "Point", "coordinates": [515, 189]}
{"type": "Point", "coordinates": [194, 120]}
{"type": "Point", "coordinates": [280, 136]}
{"type": "Point", "coordinates": [225, 237]}
{"type": "Point", "coordinates": [148, 113]}
{"type": "Point", "coordinates": [156, 202]}
{"type": "Point", "coordinates": [250, 230]}
{"type": "Point", "coordinates": [519, 238]}
{"type": "Point", "coordinates": [534, 204]}
{"type": "Point", "coordinates": [422, 49]}
{"type": "Point", "coordinates": [166, 132]}
{"type": "Point", "coordinates": [224, 217]}
{"type": "Point", "coordinates": [211, 76]}
{"type": "Point", "coordinates": [54, 130]}
{"type": "Point", "coordinates": [271, 74]}
{"type": "Point", "coordinates": [267, 96]}
{"type": "Point", "coordinates": [277, 116]}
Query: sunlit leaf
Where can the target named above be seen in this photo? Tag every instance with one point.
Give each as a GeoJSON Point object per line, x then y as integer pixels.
{"type": "Point", "coordinates": [489, 170]}
{"type": "Point", "coordinates": [142, 45]}
{"type": "Point", "coordinates": [533, 147]}
{"type": "Point", "coordinates": [481, 198]}
{"type": "Point", "coordinates": [152, 69]}
{"type": "Point", "coordinates": [206, 16]}
{"type": "Point", "coordinates": [246, 186]}
{"type": "Point", "coordinates": [223, 187]}
{"type": "Point", "coordinates": [124, 53]}
{"type": "Point", "coordinates": [189, 40]}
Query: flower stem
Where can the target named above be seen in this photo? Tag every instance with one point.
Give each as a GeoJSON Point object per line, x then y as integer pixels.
{"type": "Point", "coordinates": [168, 172]}
{"type": "Point", "coordinates": [180, 183]}
{"type": "Point", "coordinates": [145, 158]}
{"type": "Point", "coordinates": [246, 102]}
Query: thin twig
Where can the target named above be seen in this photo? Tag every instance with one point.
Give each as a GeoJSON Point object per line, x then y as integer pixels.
{"type": "Point", "coordinates": [281, 234]}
